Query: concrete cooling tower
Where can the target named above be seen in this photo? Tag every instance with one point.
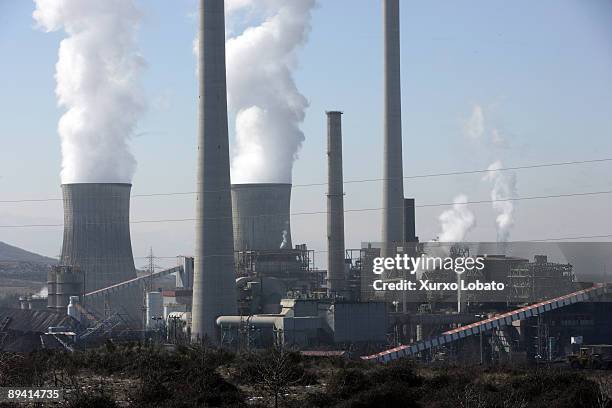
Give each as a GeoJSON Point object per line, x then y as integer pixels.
{"type": "Point", "coordinates": [97, 242]}
{"type": "Point", "coordinates": [261, 217]}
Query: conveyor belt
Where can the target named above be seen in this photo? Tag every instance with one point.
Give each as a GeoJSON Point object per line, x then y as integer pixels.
{"type": "Point", "coordinates": [131, 282]}
{"type": "Point", "coordinates": [488, 324]}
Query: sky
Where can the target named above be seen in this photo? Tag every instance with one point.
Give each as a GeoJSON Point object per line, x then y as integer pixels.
{"type": "Point", "coordinates": [518, 82]}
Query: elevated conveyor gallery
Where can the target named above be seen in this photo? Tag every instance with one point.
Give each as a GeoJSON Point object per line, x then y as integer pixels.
{"type": "Point", "coordinates": [132, 282]}
{"type": "Point", "coordinates": [494, 322]}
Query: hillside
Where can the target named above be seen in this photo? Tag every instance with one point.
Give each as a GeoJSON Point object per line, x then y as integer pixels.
{"type": "Point", "coordinates": [9, 253]}
{"type": "Point", "coordinates": [18, 266]}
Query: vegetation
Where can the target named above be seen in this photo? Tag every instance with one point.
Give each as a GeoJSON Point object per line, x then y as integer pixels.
{"type": "Point", "coordinates": [138, 376]}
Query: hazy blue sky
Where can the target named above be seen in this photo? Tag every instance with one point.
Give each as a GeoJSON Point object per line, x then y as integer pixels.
{"type": "Point", "coordinates": [540, 71]}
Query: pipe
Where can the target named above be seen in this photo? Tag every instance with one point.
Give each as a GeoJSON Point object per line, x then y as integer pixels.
{"type": "Point", "coordinates": [255, 320]}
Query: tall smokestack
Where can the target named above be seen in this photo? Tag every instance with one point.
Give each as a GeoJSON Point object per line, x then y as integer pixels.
{"type": "Point", "coordinates": [97, 242]}
{"type": "Point", "coordinates": [214, 291]}
{"type": "Point", "coordinates": [335, 206]}
{"type": "Point", "coordinates": [393, 185]}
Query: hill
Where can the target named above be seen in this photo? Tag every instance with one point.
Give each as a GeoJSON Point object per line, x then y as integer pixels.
{"type": "Point", "coordinates": [20, 268]}
{"type": "Point", "coordinates": [10, 254]}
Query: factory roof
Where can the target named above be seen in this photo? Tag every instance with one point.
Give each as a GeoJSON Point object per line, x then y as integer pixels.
{"type": "Point", "coordinates": [177, 293]}
{"type": "Point", "coordinates": [33, 321]}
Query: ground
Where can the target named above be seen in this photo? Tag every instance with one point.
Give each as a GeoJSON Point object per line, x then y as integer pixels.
{"type": "Point", "coordinates": [139, 376]}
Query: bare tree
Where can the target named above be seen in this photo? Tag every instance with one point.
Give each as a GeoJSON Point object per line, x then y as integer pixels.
{"type": "Point", "coordinates": [276, 373]}
{"type": "Point", "coordinates": [604, 391]}
{"type": "Point", "coordinates": [472, 398]}
{"type": "Point", "coordinates": [514, 400]}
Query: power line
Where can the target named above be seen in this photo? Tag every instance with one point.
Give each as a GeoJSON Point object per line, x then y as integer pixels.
{"type": "Point", "coordinates": [418, 176]}
{"type": "Point", "coordinates": [542, 197]}
{"type": "Point", "coordinates": [320, 251]}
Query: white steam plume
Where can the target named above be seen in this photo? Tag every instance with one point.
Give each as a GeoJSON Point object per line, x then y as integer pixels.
{"type": "Point", "coordinates": [474, 126]}
{"type": "Point", "coordinates": [97, 82]}
{"type": "Point", "coordinates": [457, 221]}
{"type": "Point", "coordinates": [504, 188]}
{"type": "Point", "coordinates": [262, 92]}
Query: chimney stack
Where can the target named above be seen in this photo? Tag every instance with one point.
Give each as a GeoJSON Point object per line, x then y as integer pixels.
{"type": "Point", "coordinates": [393, 185]}
{"type": "Point", "coordinates": [335, 206]}
{"type": "Point", "coordinates": [214, 287]}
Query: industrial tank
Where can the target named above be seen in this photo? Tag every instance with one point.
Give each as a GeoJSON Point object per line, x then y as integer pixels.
{"type": "Point", "coordinates": [261, 217]}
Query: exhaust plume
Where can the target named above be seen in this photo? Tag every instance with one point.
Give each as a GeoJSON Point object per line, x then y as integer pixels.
{"type": "Point", "coordinates": [504, 188]}
{"type": "Point", "coordinates": [97, 77]}
{"type": "Point", "coordinates": [262, 92]}
{"type": "Point", "coordinates": [457, 221]}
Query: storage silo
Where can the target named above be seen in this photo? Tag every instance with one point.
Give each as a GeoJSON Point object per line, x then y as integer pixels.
{"type": "Point", "coordinates": [261, 216]}
{"type": "Point", "coordinates": [69, 283]}
{"type": "Point", "coordinates": [51, 288]}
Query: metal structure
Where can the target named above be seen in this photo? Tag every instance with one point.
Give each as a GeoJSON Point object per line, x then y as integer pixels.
{"type": "Point", "coordinates": [260, 214]}
{"type": "Point", "coordinates": [393, 184]}
{"type": "Point", "coordinates": [336, 280]}
{"type": "Point", "coordinates": [532, 281]}
{"type": "Point", "coordinates": [492, 323]}
{"type": "Point", "coordinates": [97, 241]}
{"type": "Point", "coordinates": [214, 291]}
{"type": "Point", "coordinates": [138, 283]}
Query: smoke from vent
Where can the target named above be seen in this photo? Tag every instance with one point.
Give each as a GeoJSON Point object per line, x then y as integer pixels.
{"type": "Point", "coordinates": [262, 92]}
{"type": "Point", "coordinates": [504, 188]}
{"type": "Point", "coordinates": [457, 221]}
{"type": "Point", "coordinates": [97, 82]}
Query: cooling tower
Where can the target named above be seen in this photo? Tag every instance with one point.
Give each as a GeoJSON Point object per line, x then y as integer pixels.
{"type": "Point", "coordinates": [97, 241]}
{"type": "Point", "coordinates": [214, 286]}
{"type": "Point", "coordinates": [393, 185]}
{"type": "Point", "coordinates": [335, 206]}
{"type": "Point", "coordinates": [261, 216]}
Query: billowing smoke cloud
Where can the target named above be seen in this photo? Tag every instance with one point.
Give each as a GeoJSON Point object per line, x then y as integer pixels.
{"type": "Point", "coordinates": [457, 221]}
{"type": "Point", "coordinates": [97, 82]}
{"type": "Point", "coordinates": [262, 92]}
{"type": "Point", "coordinates": [504, 188]}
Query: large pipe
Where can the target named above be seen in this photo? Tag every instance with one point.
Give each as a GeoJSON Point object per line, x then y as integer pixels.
{"type": "Point", "coordinates": [254, 320]}
{"type": "Point", "coordinates": [393, 185]}
{"type": "Point", "coordinates": [335, 206]}
{"type": "Point", "coordinates": [214, 292]}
